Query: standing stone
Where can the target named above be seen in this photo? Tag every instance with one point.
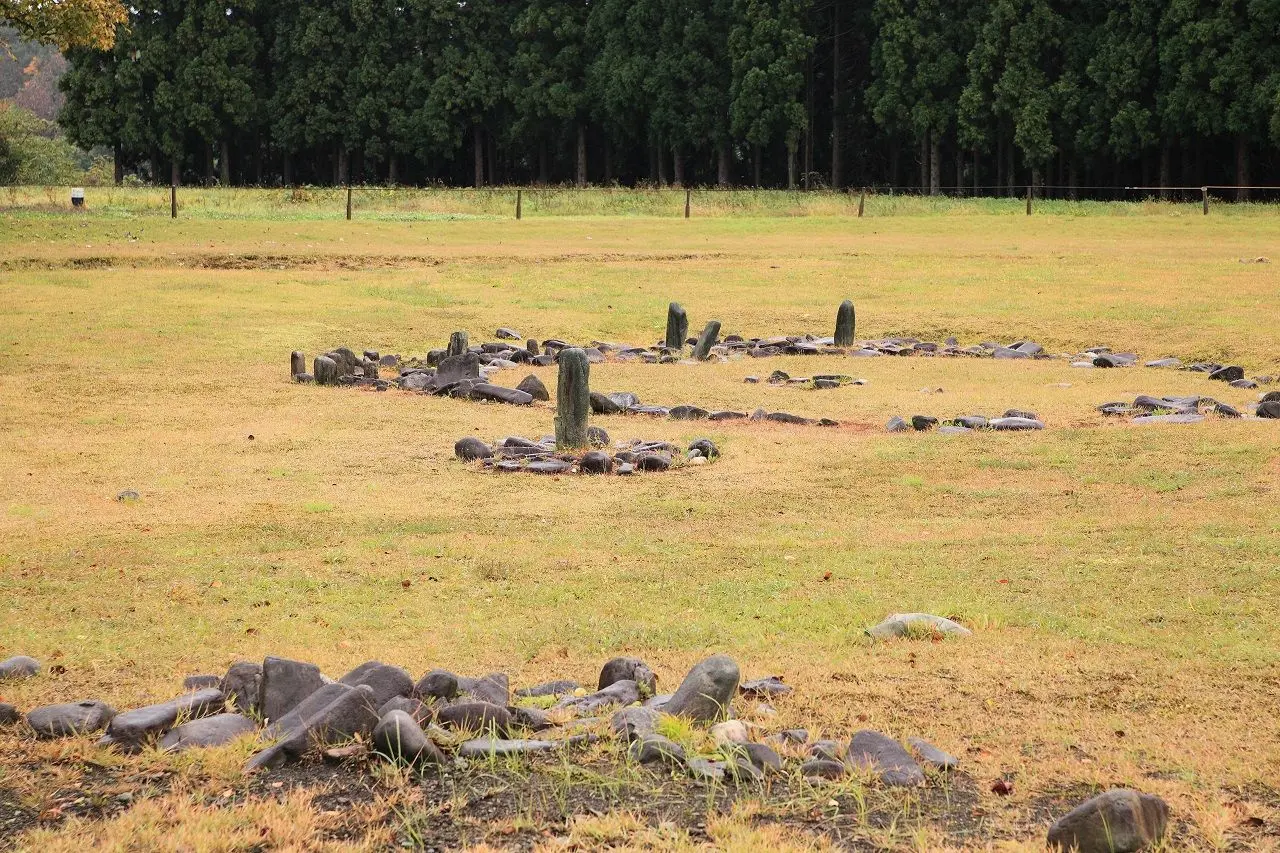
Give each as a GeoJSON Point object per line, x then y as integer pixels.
{"type": "Point", "coordinates": [708, 339]}
{"type": "Point", "coordinates": [325, 370]}
{"type": "Point", "coordinates": [533, 386]}
{"type": "Point", "coordinates": [706, 691]}
{"type": "Point", "coordinates": [845, 324]}
{"type": "Point", "coordinates": [677, 326]}
{"type": "Point", "coordinates": [285, 683]}
{"type": "Point", "coordinates": [458, 344]}
{"type": "Point", "coordinates": [399, 738]}
{"type": "Point", "coordinates": [297, 363]}
{"type": "Point", "coordinates": [242, 684]}
{"type": "Point", "coordinates": [573, 400]}
{"type": "Point", "coordinates": [629, 669]}
{"type": "Point", "coordinates": [1119, 821]}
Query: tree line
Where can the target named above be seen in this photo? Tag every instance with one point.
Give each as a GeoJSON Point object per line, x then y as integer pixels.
{"type": "Point", "coordinates": [957, 96]}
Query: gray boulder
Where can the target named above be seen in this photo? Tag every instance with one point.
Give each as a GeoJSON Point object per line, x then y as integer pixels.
{"type": "Point", "coordinates": [350, 713]}
{"type": "Point", "coordinates": [550, 688]}
{"type": "Point", "coordinates": [385, 680]}
{"type": "Point", "coordinates": [200, 682]}
{"type": "Point", "coordinates": [470, 448]}
{"type": "Point", "coordinates": [398, 737]}
{"type": "Point", "coordinates": [285, 683]}
{"type": "Point", "coordinates": [633, 723]}
{"type": "Point", "coordinates": [909, 624]}
{"type": "Point", "coordinates": [70, 718]}
{"type": "Point", "coordinates": [9, 715]}
{"type": "Point", "coordinates": [476, 717]}
{"type": "Point", "coordinates": [131, 730]}
{"type": "Point", "coordinates": [617, 693]}
{"type": "Point", "coordinates": [19, 667]}
{"type": "Point", "coordinates": [933, 757]}
{"type": "Point", "coordinates": [437, 684]}
{"type": "Point", "coordinates": [242, 685]}
{"type": "Point", "coordinates": [706, 691]}
{"type": "Point", "coordinates": [885, 758]}
{"type": "Point", "coordinates": [217, 730]}
{"type": "Point", "coordinates": [650, 748]}
{"type": "Point", "coordinates": [494, 688]}
{"type": "Point", "coordinates": [534, 387]}
{"type": "Point", "coordinates": [629, 669]}
{"type": "Point", "coordinates": [1118, 821]}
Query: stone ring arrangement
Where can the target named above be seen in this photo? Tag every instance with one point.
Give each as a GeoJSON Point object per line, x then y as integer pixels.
{"type": "Point", "coordinates": [378, 712]}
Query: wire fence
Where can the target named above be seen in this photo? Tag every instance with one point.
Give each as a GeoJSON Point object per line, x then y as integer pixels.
{"type": "Point", "coordinates": [384, 202]}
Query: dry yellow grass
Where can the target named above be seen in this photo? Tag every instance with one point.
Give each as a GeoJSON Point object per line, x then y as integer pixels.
{"type": "Point", "coordinates": [1123, 580]}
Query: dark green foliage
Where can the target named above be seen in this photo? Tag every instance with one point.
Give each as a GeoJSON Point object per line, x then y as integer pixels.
{"type": "Point", "coordinates": [573, 399]}
{"type": "Point", "coordinates": [768, 92]}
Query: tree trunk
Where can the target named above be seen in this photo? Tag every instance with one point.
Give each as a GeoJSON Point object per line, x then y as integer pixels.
{"type": "Point", "coordinates": [959, 184]}
{"type": "Point", "coordinates": [837, 173]}
{"type": "Point", "coordinates": [175, 171]}
{"type": "Point", "coordinates": [257, 159]}
{"type": "Point", "coordinates": [1010, 171]}
{"type": "Point", "coordinates": [1186, 174]}
{"type": "Point", "coordinates": [678, 166]}
{"type": "Point", "coordinates": [477, 146]}
{"type": "Point", "coordinates": [791, 165]}
{"type": "Point", "coordinates": [1000, 164]}
{"type": "Point", "coordinates": [1035, 183]}
{"type": "Point", "coordinates": [608, 162]}
{"type": "Point", "coordinates": [756, 166]}
{"type": "Point", "coordinates": [807, 160]}
{"type": "Point", "coordinates": [542, 162]}
{"type": "Point", "coordinates": [119, 166]}
{"type": "Point", "coordinates": [344, 166]}
{"type": "Point", "coordinates": [1166, 164]}
{"type": "Point", "coordinates": [393, 169]}
{"type": "Point", "coordinates": [582, 154]}
{"type": "Point", "coordinates": [976, 183]}
{"type": "Point", "coordinates": [224, 163]}
{"type": "Point", "coordinates": [1242, 167]}
{"type": "Point", "coordinates": [662, 165]}
{"type": "Point", "coordinates": [924, 163]}
{"type": "Point", "coordinates": [492, 151]}
{"type": "Point", "coordinates": [653, 163]}
{"type": "Point", "coordinates": [208, 164]}
{"type": "Point", "coordinates": [935, 162]}
{"type": "Point", "coordinates": [1073, 178]}
{"type": "Point", "coordinates": [722, 165]}
{"type": "Point", "coordinates": [288, 170]}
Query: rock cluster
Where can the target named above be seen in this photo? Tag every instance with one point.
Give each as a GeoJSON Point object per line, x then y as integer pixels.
{"type": "Point", "coordinates": [292, 710]}
{"type": "Point", "coordinates": [1013, 420]}
{"type": "Point", "coordinates": [626, 403]}
{"type": "Point", "coordinates": [542, 456]}
{"type": "Point", "coordinates": [821, 381]}
{"type": "Point", "coordinates": [1170, 409]}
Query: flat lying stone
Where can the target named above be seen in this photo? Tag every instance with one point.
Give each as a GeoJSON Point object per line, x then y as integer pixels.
{"type": "Point", "coordinates": [906, 624]}
{"type": "Point", "coordinates": [494, 688]}
{"type": "Point", "coordinates": [762, 756]}
{"type": "Point", "coordinates": [1180, 418]}
{"type": "Point", "coordinates": [821, 768]}
{"type": "Point", "coordinates": [932, 756]}
{"type": "Point", "coordinates": [885, 758]}
{"type": "Point", "coordinates": [1118, 821]}
{"type": "Point", "coordinates": [70, 718]}
{"type": "Point", "coordinates": [651, 747]}
{"type": "Point", "coordinates": [217, 730]}
{"type": "Point", "coordinates": [18, 668]}
{"type": "Point", "coordinates": [762, 688]}
{"type": "Point", "coordinates": [1014, 424]}
{"type": "Point", "coordinates": [633, 723]}
{"type": "Point", "coordinates": [132, 729]}
{"type": "Point", "coordinates": [550, 688]}
{"type": "Point", "coordinates": [200, 682]}
{"type": "Point", "coordinates": [623, 692]}
{"type": "Point", "coordinates": [476, 717]}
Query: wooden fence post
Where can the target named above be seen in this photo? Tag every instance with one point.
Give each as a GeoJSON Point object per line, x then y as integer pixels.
{"type": "Point", "coordinates": [173, 201]}
{"type": "Point", "coordinates": [1029, 201]}
{"type": "Point", "coordinates": [862, 202]}
{"type": "Point", "coordinates": [348, 202]}
{"type": "Point", "coordinates": [687, 193]}
{"type": "Point", "coordinates": [1204, 199]}
{"type": "Point", "coordinates": [519, 203]}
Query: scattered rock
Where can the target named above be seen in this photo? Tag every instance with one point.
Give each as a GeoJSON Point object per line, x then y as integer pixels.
{"type": "Point", "coordinates": [897, 424]}
{"type": "Point", "coordinates": [217, 730]}
{"type": "Point", "coordinates": [1118, 821]}
{"type": "Point", "coordinates": [384, 680]}
{"type": "Point", "coordinates": [9, 715]}
{"type": "Point", "coordinates": [200, 682]}
{"type": "Point", "coordinates": [492, 747]}
{"type": "Point", "coordinates": [1227, 374]}
{"type": "Point", "coordinates": [242, 685]}
{"type": "Point", "coordinates": [623, 692]}
{"type": "Point", "coordinates": [730, 731]}
{"type": "Point", "coordinates": [706, 691]}
{"type": "Point", "coordinates": [550, 688]}
{"type": "Point", "coordinates": [131, 730]}
{"type": "Point", "coordinates": [285, 683]}
{"type": "Point", "coordinates": [650, 748]}
{"type": "Point", "coordinates": [885, 758]}
{"type": "Point", "coordinates": [18, 668]}
{"type": "Point", "coordinates": [128, 496]}
{"type": "Point", "coordinates": [932, 756]}
{"type": "Point", "coordinates": [822, 769]}
{"type": "Point", "coordinates": [762, 688]}
{"type": "Point", "coordinates": [633, 723]}
{"type": "Point", "coordinates": [399, 738]}
{"type": "Point", "coordinates": [534, 387]}
{"type": "Point", "coordinates": [70, 719]}
{"type": "Point", "coordinates": [629, 669]}
{"type": "Point", "coordinates": [350, 713]}
{"type": "Point", "coordinates": [908, 624]}
{"type": "Point", "coordinates": [476, 717]}
{"type": "Point", "coordinates": [506, 334]}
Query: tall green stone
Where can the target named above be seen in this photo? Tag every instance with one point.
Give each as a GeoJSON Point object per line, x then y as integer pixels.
{"type": "Point", "coordinates": [708, 339]}
{"type": "Point", "coordinates": [458, 343]}
{"type": "Point", "coordinates": [677, 326]}
{"type": "Point", "coordinates": [573, 399]}
{"type": "Point", "coordinates": [844, 324]}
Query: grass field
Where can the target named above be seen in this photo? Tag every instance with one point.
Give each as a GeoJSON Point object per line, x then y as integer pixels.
{"type": "Point", "coordinates": [1122, 581]}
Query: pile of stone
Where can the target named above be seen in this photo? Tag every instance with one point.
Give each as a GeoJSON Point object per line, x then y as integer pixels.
{"type": "Point", "coordinates": [626, 403]}
{"type": "Point", "coordinates": [1013, 420]}
{"type": "Point", "coordinates": [1148, 409]}
{"type": "Point", "coordinates": [819, 382]}
{"type": "Point", "coordinates": [342, 366]}
{"type": "Point", "coordinates": [515, 454]}
{"type": "Point", "coordinates": [378, 710]}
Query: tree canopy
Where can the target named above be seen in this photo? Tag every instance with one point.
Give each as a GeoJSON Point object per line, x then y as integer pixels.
{"type": "Point", "coordinates": [937, 95]}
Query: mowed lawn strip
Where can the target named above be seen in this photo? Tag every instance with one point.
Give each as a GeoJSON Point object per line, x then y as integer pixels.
{"type": "Point", "coordinates": [1121, 580]}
